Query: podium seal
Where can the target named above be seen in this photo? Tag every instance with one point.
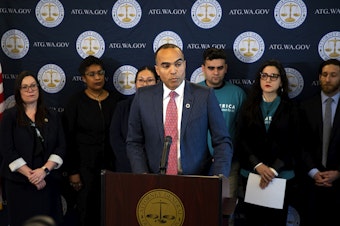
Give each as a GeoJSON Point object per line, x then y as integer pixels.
{"type": "Point", "coordinates": [160, 206]}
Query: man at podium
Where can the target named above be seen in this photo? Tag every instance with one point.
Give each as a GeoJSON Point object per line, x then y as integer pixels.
{"type": "Point", "coordinates": [196, 111]}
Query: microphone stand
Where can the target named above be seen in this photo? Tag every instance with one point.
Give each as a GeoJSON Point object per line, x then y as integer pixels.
{"type": "Point", "coordinates": [165, 154]}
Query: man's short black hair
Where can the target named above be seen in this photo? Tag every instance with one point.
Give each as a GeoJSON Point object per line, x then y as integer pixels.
{"type": "Point", "coordinates": [214, 53]}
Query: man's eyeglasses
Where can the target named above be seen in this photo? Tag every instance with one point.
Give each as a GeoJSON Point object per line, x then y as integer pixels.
{"type": "Point", "coordinates": [93, 73]}
{"type": "Point", "coordinates": [26, 88]}
{"type": "Point", "coordinates": [273, 77]}
{"type": "Point", "coordinates": [148, 81]}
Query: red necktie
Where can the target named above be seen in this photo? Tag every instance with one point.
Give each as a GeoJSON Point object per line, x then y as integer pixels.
{"type": "Point", "coordinates": [170, 129]}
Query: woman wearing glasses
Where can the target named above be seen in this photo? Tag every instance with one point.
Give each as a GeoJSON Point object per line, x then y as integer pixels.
{"type": "Point", "coordinates": [32, 146]}
{"type": "Point", "coordinates": [266, 139]}
{"type": "Point", "coordinates": [87, 119]}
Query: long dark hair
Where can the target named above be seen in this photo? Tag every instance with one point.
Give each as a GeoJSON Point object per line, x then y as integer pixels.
{"type": "Point", "coordinates": [252, 103]}
{"type": "Point", "coordinates": [41, 112]}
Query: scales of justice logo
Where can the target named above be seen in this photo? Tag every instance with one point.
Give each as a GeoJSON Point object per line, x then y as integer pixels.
{"type": "Point", "coordinates": [50, 13]}
{"type": "Point", "coordinates": [15, 44]}
{"type": "Point", "coordinates": [51, 78]}
{"type": "Point", "coordinates": [290, 13]}
{"type": "Point", "coordinates": [124, 79]}
{"type": "Point", "coordinates": [197, 76]}
{"type": "Point", "coordinates": [166, 37]}
{"type": "Point", "coordinates": [126, 13]}
{"type": "Point", "coordinates": [10, 102]}
{"type": "Point", "coordinates": [249, 47]}
{"type": "Point", "coordinates": [160, 207]}
{"type": "Point", "coordinates": [329, 46]}
{"type": "Point", "coordinates": [295, 82]}
{"type": "Point", "coordinates": [90, 43]}
{"type": "Point", "coordinates": [206, 13]}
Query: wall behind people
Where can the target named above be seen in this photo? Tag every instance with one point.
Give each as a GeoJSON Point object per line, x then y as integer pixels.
{"type": "Point", "coordinates": [51, 38]}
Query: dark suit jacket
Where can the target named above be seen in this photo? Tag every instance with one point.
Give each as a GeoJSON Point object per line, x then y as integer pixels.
{"type": "Point", "coordinates": [200, 113]}
{"type": "Point", "coordinates": [311, 118]}
{"type": "Point", "coordinates": [18, 141]}
{"type": "Point", "coordinates": [118, 134]}
{"type": "Point", "coordinates": [277, 148]}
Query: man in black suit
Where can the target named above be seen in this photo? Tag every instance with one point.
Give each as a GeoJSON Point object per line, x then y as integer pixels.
{"type": "Point", "coordinates": [322, 183]}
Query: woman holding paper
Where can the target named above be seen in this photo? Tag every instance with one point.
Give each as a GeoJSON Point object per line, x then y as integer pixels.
{"type": "Point", "coordinates": [266, 140]}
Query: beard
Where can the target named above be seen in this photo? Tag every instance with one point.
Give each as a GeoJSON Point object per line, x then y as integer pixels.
{"type": "Point", "coordinates": [328, 88]}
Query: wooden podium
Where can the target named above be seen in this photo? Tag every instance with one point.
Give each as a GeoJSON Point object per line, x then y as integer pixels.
{"type": "Point", "coordinates": [151, 199]}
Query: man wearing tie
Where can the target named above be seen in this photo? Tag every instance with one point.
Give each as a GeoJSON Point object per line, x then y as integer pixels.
{"type": "Point", "coordinates": [193, 109]}
{"type": "Point", "coordinates": [320, 117]}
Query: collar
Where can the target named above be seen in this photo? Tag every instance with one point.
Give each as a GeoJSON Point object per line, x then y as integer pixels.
{"type": "Point", "coordinates": [179, 90]}
{"type": "Point", "coordinates": [335, 97]}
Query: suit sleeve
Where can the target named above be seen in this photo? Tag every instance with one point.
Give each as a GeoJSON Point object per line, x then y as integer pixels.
{"type": "Point", "coordinates": [220, 137]}
{"type": "Point", "coordinates": [135, 139]}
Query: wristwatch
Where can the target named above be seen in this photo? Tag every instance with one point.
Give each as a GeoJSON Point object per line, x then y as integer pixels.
{"type": "Point", "coordinates": [47, 171]}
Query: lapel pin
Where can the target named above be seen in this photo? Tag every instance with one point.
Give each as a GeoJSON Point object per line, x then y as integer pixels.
{"type": "Point", "coordinates": [187, 105]}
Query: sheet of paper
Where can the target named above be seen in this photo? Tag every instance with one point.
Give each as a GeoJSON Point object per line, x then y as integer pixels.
{"type": "Point", "coordinates": [272, 196]}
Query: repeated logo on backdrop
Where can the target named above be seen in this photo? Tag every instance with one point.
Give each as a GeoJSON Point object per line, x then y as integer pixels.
{"type": "Point", "coordinates": [167, 37]}
{"type": "Point", "coordinates": [49, 13]}
{"type": "Point", "coordinates": [126, 13]}
{"type": "Point", "coordinates": [295, 82]}
{"type": "Point", "coordinates": [90, 43]}
{"type": "Point", "coordinates": [51, 78]}
{"type": "Point", "coordinates": [206, 14]}
{"type": "Point", "coordinates": [124, 79]}
{"type": "Point", "coordinates": [197, 76]}
{"type": "Point", "coordinates": [290, 13]}
{"type": "Point", "coordinates": [247, 45]}
{"type": "Point", "coordinates": [329, 46]}
{"type": "Point", "coordinates": [15, 44]}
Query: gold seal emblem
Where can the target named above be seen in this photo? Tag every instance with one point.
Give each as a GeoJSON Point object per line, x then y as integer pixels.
{"type": "Point", "coordinates": [160, 206]}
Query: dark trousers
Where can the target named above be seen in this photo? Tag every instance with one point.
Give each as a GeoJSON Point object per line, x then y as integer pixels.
{"type": "Point", "coordinates": [320, 205]}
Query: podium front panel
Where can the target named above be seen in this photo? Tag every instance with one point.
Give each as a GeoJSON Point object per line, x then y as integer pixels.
{"type": "Point", "coordinates": [150, 199]}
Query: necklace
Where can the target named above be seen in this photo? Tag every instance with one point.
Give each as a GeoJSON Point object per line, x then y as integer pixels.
{"type": "Point", "coordinates": [96, 97]}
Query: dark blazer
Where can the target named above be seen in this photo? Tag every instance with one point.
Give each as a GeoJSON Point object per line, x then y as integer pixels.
{"type": "Point", "coordinates": [200, 113]}
{"type": "Point", "coordinates": [318, 201]}
{"type": "Point", "coordinates": [311, 118]}
{"type": "Point", "coordinates": [277, 148]}
{"type": "Point", "coordinates": [18, 141]}
{"type": "Point", "coordinates": [118, 134]}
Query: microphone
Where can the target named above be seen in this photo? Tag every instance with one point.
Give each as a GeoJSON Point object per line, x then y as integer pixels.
{"type": "Point", "coordinates": [165, 154]}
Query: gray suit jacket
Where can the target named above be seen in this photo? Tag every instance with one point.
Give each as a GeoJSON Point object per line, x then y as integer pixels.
{"type": "Point", "coordinates": [201, 112]}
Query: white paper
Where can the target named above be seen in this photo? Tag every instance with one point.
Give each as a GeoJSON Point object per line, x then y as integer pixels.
{"type": "Point", "coordinates": [272, 196]}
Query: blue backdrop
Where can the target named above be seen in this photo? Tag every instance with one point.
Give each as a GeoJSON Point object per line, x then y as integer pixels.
{"type": "Point", "coordinates": [51, 37]}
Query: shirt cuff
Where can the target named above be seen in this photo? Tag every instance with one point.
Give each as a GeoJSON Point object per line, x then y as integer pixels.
{"type": "Point", "coordinates": [274, 171]}
{"type": "Point", "coordinates": [258, 165]}
{"type": "Point", "coordinates": [55, 158]}
{"type": "Point", "coordinates": [312, 172]}
{"type": "Point", "coordinates": [16, 164]}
